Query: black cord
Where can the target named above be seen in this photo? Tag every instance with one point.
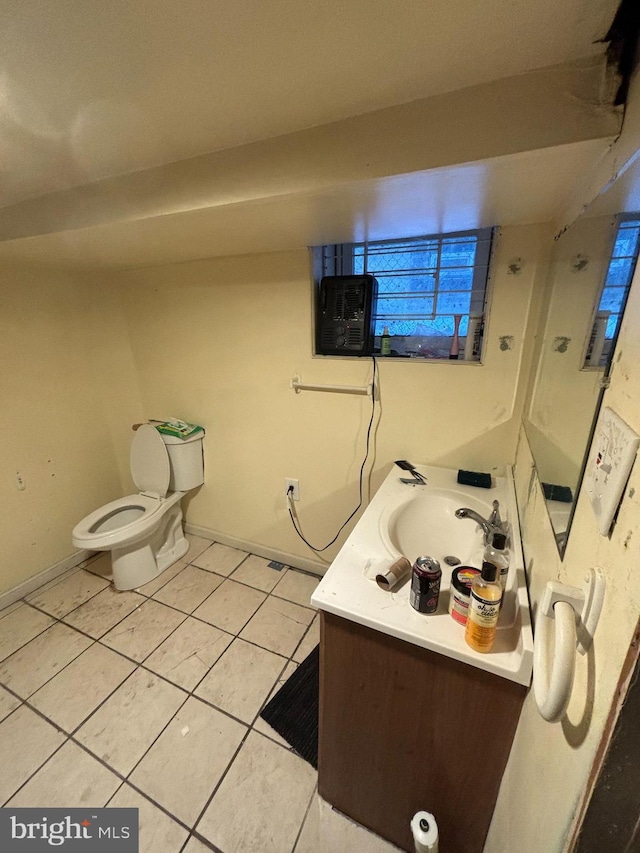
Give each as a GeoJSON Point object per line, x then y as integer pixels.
{"type": "Point", "coordinates": [364, 462]}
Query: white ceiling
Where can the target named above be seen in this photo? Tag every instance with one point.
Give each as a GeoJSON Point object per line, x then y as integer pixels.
{"type": "Point", "coordinates": [91, 89]}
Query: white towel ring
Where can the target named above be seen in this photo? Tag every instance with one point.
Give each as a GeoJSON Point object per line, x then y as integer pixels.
{"type": "Point", "coordinates": [564, 605]}
{"type": "Point", "coordinates": [553, 690]}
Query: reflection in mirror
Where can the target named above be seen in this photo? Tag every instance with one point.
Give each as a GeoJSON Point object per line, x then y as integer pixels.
{"type": "Point", "coordinates": [590, 273]}
{"type": "Point", "coordinates": [614, 292]}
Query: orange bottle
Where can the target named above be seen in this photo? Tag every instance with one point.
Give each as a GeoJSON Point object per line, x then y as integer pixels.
{"type": "Point", "coordinates": [484, 607]}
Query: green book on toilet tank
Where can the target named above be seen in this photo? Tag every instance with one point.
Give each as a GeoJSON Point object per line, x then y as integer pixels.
{"type": "Point", "coordinates": [177, 428]}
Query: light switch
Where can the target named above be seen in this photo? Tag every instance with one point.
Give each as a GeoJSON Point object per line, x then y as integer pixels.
{"type": "Point", "coordinates": [613, 452]}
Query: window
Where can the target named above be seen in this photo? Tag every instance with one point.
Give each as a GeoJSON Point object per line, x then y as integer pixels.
{"type": "Point", "coordinates": [614, 291]}
{"type": "Point", "coordinates": [426, 287]}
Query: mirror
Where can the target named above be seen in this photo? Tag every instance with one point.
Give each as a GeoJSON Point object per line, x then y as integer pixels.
{"type": "Point", "coordinates": [585, 298]}
{"type": "Point", "coordinates": [566, 394]}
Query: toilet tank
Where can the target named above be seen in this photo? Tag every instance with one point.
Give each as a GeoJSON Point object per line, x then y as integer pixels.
{"type": "Point", "coordinates": [186, 461]}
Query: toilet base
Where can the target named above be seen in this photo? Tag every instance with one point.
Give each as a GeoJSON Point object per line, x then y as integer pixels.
{"type": "Point", "coordinates": [137, 564]}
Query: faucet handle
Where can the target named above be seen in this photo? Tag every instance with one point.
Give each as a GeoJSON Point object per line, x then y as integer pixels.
{"type": "Point", "coordinates": [494, 519]}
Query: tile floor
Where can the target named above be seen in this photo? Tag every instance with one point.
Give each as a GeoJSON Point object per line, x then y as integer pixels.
{"type": "Point", "coordinates": [151, 699]}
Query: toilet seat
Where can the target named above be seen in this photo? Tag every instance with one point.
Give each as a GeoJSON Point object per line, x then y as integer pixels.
{"type": "Point", "coordinates": [102, 528]}
{"type": "Point", "coordinates": [129, 519]}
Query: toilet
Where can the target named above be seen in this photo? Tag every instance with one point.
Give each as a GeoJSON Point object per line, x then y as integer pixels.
{"type": "Point", "coordinates": [144, 531]}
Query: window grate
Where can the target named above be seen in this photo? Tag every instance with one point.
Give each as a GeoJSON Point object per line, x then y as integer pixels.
{"type": "Point", "coordinates": [423, 282]}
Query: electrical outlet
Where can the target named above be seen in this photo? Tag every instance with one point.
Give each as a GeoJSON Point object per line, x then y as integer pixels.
{"type": "Point", "coordinates": [291, 483]}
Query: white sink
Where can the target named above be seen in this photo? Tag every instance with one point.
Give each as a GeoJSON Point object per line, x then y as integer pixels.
{"type": "Point", "coordinates": [426, 524]}
{"type": "Point", "coordinates": [414, 520]}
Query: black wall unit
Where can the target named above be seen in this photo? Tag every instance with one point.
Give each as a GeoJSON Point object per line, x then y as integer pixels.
{"type": "Point", "coordinates": [344, 316]}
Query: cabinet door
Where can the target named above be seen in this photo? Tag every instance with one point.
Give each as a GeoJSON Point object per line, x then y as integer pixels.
{"type": "Point", "coordinates": [404, 729]}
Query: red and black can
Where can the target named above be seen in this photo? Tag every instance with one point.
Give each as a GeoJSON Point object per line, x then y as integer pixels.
{"type": "Point", "coordinates": [425, 585]}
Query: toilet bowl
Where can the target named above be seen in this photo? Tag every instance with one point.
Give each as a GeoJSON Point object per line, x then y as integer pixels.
{"type": "Point", "coordinates": [144, 531]}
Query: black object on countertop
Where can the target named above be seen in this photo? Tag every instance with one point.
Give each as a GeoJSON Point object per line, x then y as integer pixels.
{"type": "Point", "coordinates": [557, 493]}
{"type": "Point", "coordinates": [408, 466]}
{"type": "Point", "coordinates": [474, 478]}
{"type": "Point", "coordinates": [293, 711]}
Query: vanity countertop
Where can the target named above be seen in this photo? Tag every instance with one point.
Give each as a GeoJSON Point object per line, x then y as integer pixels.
{"type": "Point", "coordinates": [348, 589]}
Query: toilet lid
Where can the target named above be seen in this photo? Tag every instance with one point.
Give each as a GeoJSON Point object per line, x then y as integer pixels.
{"type": "Point", "coordinates": [150, 462]}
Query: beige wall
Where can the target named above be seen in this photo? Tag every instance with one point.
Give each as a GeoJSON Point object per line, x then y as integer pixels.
{"type": "Point", "coordinates": [65, 385]}
{"type": "Point", "coordinates": [218, 341]}
{"type": "Point", "coordinates": [550, 763]}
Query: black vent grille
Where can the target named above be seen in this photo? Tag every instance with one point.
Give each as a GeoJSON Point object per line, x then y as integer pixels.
{"type": "Point", "coordinates": [345, 315]}
{"type": "Point", "coordinates": [352, 302]}
{"type": "Point", "coordinates": [354, 337]}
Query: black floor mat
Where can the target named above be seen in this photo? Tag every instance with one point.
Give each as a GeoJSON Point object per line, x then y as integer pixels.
{"type": "Point", "coordinates": [293, 711]}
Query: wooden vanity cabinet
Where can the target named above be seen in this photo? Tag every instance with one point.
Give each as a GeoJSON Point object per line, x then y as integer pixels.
{"type": "Point", "coordinates": [404, 729]}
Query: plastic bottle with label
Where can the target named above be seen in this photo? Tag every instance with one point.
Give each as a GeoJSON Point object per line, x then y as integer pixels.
{"type": "Point", "coordinates": [385, 342]}
{"type": "Point", "coordinates": [497, 553]}
{"type": "Point", "coordinates": [484, 609]}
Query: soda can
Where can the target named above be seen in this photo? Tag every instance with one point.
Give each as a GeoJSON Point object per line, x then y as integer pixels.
{"type": "Point", "coordinates": [425, 585]}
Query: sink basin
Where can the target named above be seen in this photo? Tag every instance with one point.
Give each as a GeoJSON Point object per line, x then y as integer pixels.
{"type": "Point", "coordinates": [425, 523]}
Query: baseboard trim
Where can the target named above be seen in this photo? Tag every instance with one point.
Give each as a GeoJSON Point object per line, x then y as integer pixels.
{"type": "Point", "coordinates": [17, 592]}
{"type": "Point", "coordinates": [315, 567]}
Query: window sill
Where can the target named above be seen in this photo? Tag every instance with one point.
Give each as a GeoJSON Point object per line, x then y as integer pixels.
{"type": "Point", "coordinates": [404, 359]}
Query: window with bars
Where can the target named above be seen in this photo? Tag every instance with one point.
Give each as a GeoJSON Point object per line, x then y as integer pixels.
{"type": "Point", "coordinates": [615, 289]}
{"type": "Point", "coordinates": [428, 288]}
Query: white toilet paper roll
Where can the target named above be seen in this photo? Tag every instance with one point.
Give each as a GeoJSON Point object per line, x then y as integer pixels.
{"type": "Point", "coordinates": [425, 832]}
{"type": "Point", "coordinates": [386, 571]}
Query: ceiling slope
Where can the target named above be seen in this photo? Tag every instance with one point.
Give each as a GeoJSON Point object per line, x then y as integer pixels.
{"type": "Point", "coordinates": [148, 132]}
{"type": "Point", "coordinates": [92, 89]}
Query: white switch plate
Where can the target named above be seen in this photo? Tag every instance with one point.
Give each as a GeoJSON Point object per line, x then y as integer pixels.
{"type": "Point", "coordinates": [613, 452]}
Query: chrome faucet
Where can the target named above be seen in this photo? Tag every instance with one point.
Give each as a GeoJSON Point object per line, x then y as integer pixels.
{"type": "Point", "coordinates": [489, 526]}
